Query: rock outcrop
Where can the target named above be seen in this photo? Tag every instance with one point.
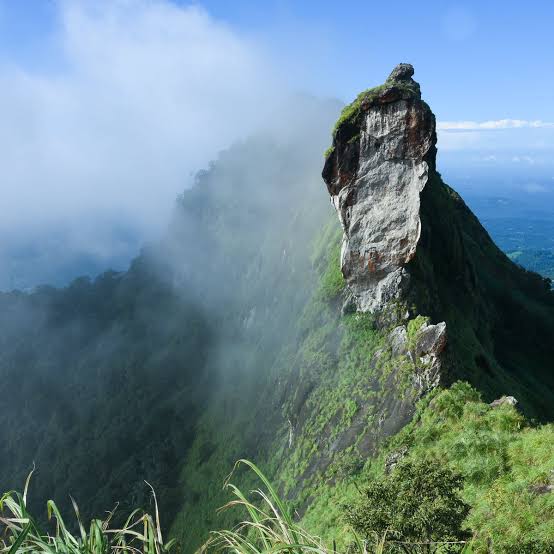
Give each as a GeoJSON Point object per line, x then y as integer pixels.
{"type": "Point", "coordinates": [382, 153]}
{"type": "Point", "coordinates": [423, 349]}
{"type": "Point", "coordinates": [376, 170]}
{"type": "Point", "coordinates": [504, 401]}
{"type": "Point", "coordinates": [411, 247]}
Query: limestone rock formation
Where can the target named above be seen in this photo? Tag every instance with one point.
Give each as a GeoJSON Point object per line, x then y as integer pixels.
{"type": "Point", "coordinates": [383, 150]}
{"type": "Point", "coordinates": [402, 72]}
{"type": "Point", "coordinates": [504, 401]}
{"type": "Point", "coordinates": [412, 247]}
{"type": "Point", "coordinates": [375, 173]}
{"type": "Point", "coordinates": [423, 350]}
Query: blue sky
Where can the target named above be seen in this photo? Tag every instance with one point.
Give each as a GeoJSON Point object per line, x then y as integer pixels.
{"type": "Point", "coordinates": [476, 60]}
{"type": "Point", "coordinates": [109, 107]}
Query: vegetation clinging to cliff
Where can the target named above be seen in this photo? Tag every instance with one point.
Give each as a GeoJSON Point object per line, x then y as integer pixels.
{"type": "Point", "coordinates": [505, 462]}
{"type": "Point", "coordinates": [352, 111]}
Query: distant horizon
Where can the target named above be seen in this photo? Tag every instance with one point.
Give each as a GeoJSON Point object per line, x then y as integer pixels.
{"type": "Point", "coordinates": [110, 108]}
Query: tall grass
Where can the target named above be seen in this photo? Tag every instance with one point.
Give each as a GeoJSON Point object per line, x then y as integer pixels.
{"type": "Point", "coordinates": [270, 528]}
{"type": "Point", "coordinates": [21, 533]}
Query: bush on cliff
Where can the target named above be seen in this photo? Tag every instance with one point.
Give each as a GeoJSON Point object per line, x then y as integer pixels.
{"type": "Point", "coordinates": [418, 501]}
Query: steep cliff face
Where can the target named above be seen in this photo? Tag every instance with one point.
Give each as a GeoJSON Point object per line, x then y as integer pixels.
{"type": "Point", "coordinates": [382, 154]}
{"type": "Point", "coordinates": [375, 173]}
{"type": "Point", "coordinates": [409, 294]}
{"type": "Point", "coordinates": [411, 246]}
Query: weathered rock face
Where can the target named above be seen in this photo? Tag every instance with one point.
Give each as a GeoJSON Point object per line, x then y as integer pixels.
{"type": "Point", "coordinates": [375, 173]}
{"type": "Point", "coordinates": [423, 350]}
{"type": "Point", "coordinates": [412, 247]}
{"type": "Point", "coordinates": [504, 401]}
{"type": "Point", "coordinates": [382, 155]}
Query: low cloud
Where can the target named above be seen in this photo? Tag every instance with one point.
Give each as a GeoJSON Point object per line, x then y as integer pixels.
{"type": "Point", "coordinates": [503, 139]}
{"type": "Point", "coordinates": [493, 125]}
{"type": "Point", "coordinates": [144, 93]}
{"type": "Point", "coordinates": [523, 159]}
{"type": "Point", "coordinates": [535, 188]}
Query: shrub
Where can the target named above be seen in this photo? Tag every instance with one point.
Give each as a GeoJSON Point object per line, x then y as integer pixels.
{"type": "Point", "coordinates": [418, 501]}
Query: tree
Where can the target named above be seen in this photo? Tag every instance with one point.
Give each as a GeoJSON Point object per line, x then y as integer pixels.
{"type": "Point", "coordinates": [418, 501]}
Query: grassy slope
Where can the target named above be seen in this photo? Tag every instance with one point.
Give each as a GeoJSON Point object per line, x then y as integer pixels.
{"type": "Point", "coordinates": [251, 423]}
{"type": "Point", "coordinates": [328, 393]}
{"type": "Point", "coordinates": [503, 460]}
{"type": "Point", "coordinates": [497, 311]}
{"type": "Point", "coordinates": [306, 385]}
{"type": "Point", "coordinates": [331, 392]}
{"type": "Point", "coordinates": [325, 401]}
{"type": "Point", "coordinates": [500, 317]}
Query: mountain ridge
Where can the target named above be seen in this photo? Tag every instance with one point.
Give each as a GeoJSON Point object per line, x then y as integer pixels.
{"type": "Point", "coordinates": [238, 336]}
{"type": "Point", "coordinates": [410, 238]}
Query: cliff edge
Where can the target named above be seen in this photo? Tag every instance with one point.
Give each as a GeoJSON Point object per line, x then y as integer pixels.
{"type": "Point", "coordinates": [412, 247]}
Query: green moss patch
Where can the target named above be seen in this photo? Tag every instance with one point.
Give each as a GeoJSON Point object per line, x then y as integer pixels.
{"type": "Point", "coordinates": [352, 111]}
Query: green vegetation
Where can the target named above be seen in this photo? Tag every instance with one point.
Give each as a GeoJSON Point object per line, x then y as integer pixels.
{"type": "Point", "coordinates": [88, 385]}
{"type": "Point", "coordinates": [22, 533]}
{"type": "Point", "coordinates": [271, 527]}
{"type": "Point", "coordinates": [503, 460]}
{"type": "Point", "coordinates": [130, 376]}
{"type": "Point", "coordinates": [505, 464]}
{"type": "Point", "coordinates": [337, 398]}
{"type": "Point", "coordinates": [418, 501]}
{"type": "Point", "coordinates": [458, 455]}
{"type": "Point", "coordinates": [500, 317]}
{"type": "Point", "coordinates": [324, 378]}
{"type": "Point", "coordinates": [352, 111]}
{"type": "Point", "coordinates": [332, 281]}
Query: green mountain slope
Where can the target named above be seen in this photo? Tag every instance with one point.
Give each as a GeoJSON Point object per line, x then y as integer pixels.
{"type": "Point", "coordinates": [506, 465]}
{"type": "Point", "coordinates": [338, 386]}
{"type": "Point", "coordinates": [501, 314]}
{"type": "Point", "coordinates": [236, 337]}
{"type": "Point", "coordinates": [102, 383]}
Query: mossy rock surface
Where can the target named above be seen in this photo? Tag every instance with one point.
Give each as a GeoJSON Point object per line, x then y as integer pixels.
{"type": "Point", "coordinates": [387, 92]}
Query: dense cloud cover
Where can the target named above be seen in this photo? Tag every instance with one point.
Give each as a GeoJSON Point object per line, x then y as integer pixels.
{"type": "Point", "coordinates": [95, 152]}
{"type": "Point", "coordinates": [129, 99]}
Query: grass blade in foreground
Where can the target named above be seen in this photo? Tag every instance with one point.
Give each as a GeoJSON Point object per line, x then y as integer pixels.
{"type": "Point", "coordinates": [270, 528]}
{"type": "Point", "coordinates": [21, 534]}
